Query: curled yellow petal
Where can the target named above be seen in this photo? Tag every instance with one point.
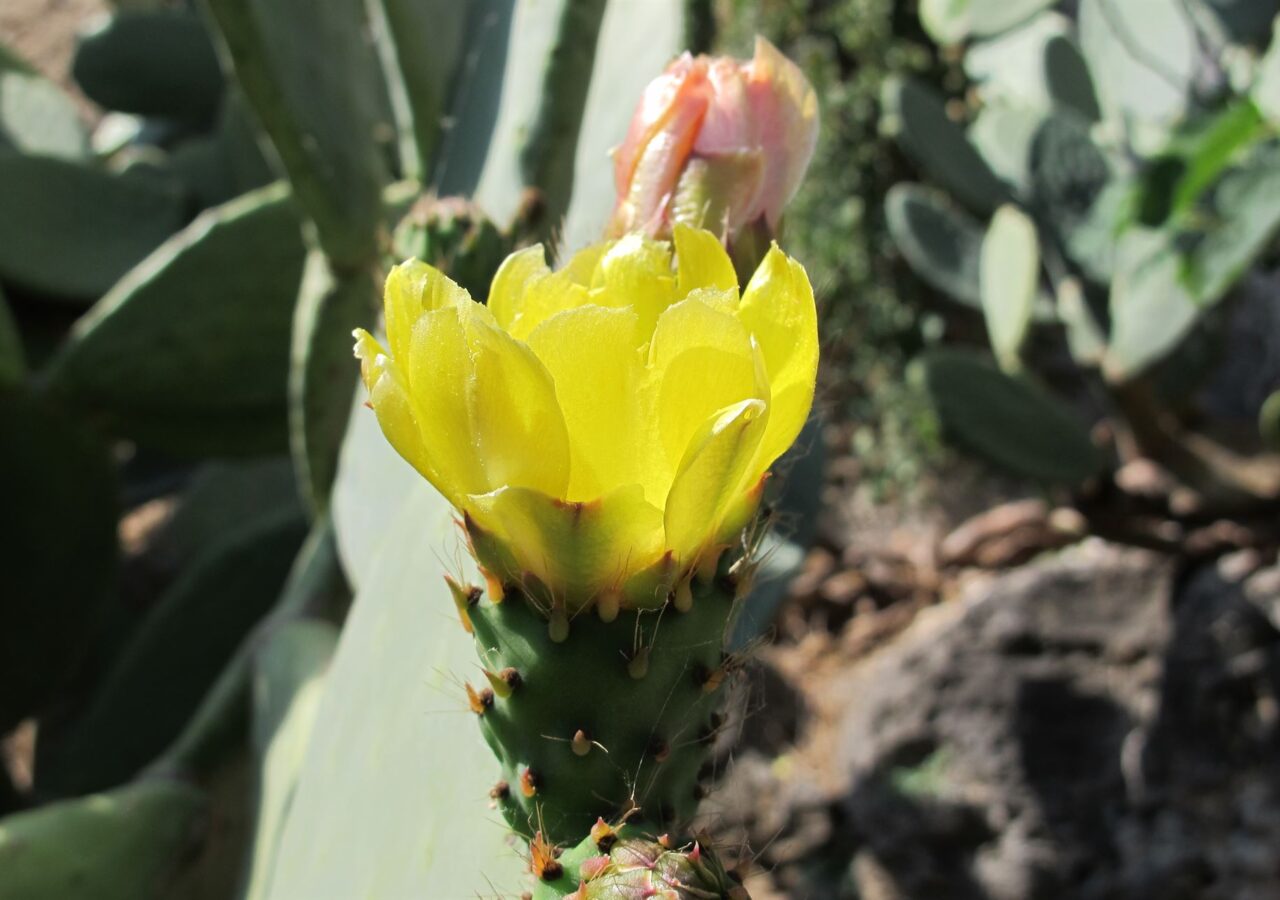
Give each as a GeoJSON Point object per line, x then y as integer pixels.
{"type": "Point", "coordinates": [711, 476]}
{"type": "Point", "coordinates": [701, 361]}
{"type": "Point", "coordinates": [778, 309]}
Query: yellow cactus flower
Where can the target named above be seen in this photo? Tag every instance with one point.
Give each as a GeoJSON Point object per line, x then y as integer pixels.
{"type": "Point", "coordinates": [604, 429]}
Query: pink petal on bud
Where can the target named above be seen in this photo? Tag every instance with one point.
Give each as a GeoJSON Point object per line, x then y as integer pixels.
{"type": "Point", "coordinates": [648, 168]}
{"type": "Point", "coordinates": [787, 113]}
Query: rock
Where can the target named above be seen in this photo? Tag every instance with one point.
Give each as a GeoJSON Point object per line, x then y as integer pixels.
{"type": "Point", "coordinates": [1009, 534]}
{"type": "Point", "coordinates": [1091, 726]}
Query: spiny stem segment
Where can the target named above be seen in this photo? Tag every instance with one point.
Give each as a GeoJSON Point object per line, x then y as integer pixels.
{"type": "Point", "coordinates": [601, 717]}
{"type": "Point", "coordinates": [631, 861]}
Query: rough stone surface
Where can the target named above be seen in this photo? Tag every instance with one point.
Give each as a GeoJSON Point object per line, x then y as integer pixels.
{"type": "Point", "coordinates": [1092, 725]}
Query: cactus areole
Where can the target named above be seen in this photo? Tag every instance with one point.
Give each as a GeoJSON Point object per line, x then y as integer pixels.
{"type": "Point", "coordinates": [604, 432]}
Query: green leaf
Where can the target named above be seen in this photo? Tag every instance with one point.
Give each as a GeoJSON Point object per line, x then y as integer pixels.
{"type": "Point", "coordinates": [322, 374]}
{"type": "Point", "coordinates": [1009, 276]}
{"type": "Point", "coordinates": [1266, 86]}
{"type": "Point", "coordinates": [1085, 338]}
{"type": "Point", "coordinates": [57, 549]}
{"type": "Point", "coordinates": [1069, 173]}
{"type": "Point", "coordinates": [174, 657]}
{"type": "Point", "coordinates": [1245, 21]}
{"type": "Point", "coordinates": [121, 845]}
{"type": "Point", "coordinates": [314, 83]}
{"type": "Point", "coordinates": [190, 353]}
{"type": "Point", "coordinates": [1142, 54]}
{"type": "Point", "coordinates": [1247, 204]}
{"type": "Point", "coordinates": [951, 21]}
{"type": "Point", "coordinates": [37, 116]}
{"type": "Point", "coordinates": [1151, 308]}
{"type": "Point", "coordinates": [1011, 67]}
{"type": "Point", "coordinates": [915, 115]}
{"type": "Point", "coordinates": [499, 103]}
{"type": "Point", "coordinates": [152, 63]}
{"type": "Point", "coordinates": [391, 799]}
{"type": "Point", "coordinates": [1206, 150]}
{"type": "Point", "coordinates": [13, 364]}
{"type": "Point", "coordinates": [1010, 420]}
{"type": "Point", "coordinates": [131, 215]}
{"type": "Point", "coordinates": [420, 84]}
{"type": "Point", "coordinates": [1067, 79]}
{"type": "Point", "coordinates": [550, 148]}
{"type": "Point", "coordinates": [623, 68]}
{"type": "Point", "coordinates": [288, 683]}
{"type": "Point", "coordinates": [1003, 133]}
{"type": "Point", "coordinates": [941, 243]}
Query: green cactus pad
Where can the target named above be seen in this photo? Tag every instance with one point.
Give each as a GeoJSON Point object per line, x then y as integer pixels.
{"type": "Point", "coordinates": [150, 63]}
{"type": "Point", "coordinates": [616, 715]}
{"type": "Point", "coordinates": [1012, 421]}
{"type": "Point", "coordinates": [629, 863]}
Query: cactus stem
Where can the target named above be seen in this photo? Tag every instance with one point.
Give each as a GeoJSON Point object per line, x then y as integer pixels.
{"type": "Point", "coordinates": [479, 701]}
{"type": "Point", "coordinates": [660, 749]}
{"type": "Point", "coordinates": [638, 666]}
{"type": "Point", "coordinates": [558, 626]}
{"type": "Point", "coordinates": [682, 597]}
{"type": "Point", "coordinates": [581, 744]}
{"type": "Point", "coordinates": [608, 605]}
{"type": "Point", "coordinates": [699, 791]}
{"type": "Point", "coordinates": [529, 781]}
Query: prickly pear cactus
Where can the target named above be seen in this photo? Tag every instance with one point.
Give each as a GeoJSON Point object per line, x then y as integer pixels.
{"type": "Point", "coordinates": [614, 716]}
{"type": "Point", "coordinates": [630, 862]}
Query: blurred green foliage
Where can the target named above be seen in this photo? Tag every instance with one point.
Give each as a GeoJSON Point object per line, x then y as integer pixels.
{"type": "Point", "coordinates": [874, 313]}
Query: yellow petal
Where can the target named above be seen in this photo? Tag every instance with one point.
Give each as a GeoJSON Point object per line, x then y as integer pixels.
{"type": "Point", "coordinates": [506, 292]}
{"type": "Point", "coordinates": [777, 308]}
{"type": "Point", "coordinates": [582, 266]}
{"type": "Point", "coordinates": [437, 371]}
{"type": "Point", "coordinates": [636, 272]}
{"type": "Point", "coordinates": [392, 404]}
{"type": "Point", "coordinates": [709, 480]}
{"type": "Point", "coordinates": [413, 288]}
{"type": "Point", "coordinates": [576, 549]}
{"type": "Point", "coordinates": [701, 261]}
{"type": "Point", "coordinates": [516, 428]}
{"type": "Point", "coordinates": [525, 292]}
{"type": "Point", "coordinates": [597, 368]}
{"type": "Point", "coordinates": [701, 361]}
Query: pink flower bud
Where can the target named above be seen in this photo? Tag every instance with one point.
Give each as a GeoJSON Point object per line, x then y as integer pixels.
{"type": "Point", "coordinates": [716, 143]}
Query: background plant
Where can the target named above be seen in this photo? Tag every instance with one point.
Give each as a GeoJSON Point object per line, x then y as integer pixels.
{"type": "Point", "coordinates": [1123, 160]}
